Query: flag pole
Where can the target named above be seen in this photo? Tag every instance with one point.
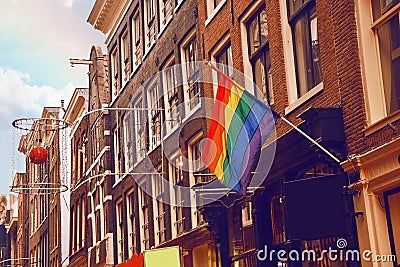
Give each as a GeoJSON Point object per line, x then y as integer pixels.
{"type": "Point", "coordinates": [323, 149]}
{"type": "Point", "coordinates": [310, 139]}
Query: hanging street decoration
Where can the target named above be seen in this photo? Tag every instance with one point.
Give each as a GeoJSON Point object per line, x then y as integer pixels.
{"type": "Point", "coordinates": [38, 155]}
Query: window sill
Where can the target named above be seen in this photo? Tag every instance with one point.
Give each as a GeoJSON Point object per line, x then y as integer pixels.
{"type": "Point", "coordinates": [164, 27]}
{"type": "Point", "coordinates": [303, 99]}
{"type": "Point", "coordinates": [148, 51]}
{"type": "Point", "coordinates": [214, 12]}
{"type": "Point", "coordinates": [138, 161]}
{"type": "Point", "coordinates": [135, 68]}
{"type": "Point", "coordinates": [191, 112]}
{"type": "Point", "coordinates": [382, 123]}
{"type": "Point", "coordinates": [151, 149]}
{"type": "Point", "coordinates": [178, 6]}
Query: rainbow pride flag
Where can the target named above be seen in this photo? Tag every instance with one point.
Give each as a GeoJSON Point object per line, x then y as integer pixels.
{"type": "Point", "coordinates": [240, 125]}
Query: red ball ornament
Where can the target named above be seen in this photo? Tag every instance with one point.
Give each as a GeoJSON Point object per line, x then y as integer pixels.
{"type": "Point", "coordinates": [38, 155]}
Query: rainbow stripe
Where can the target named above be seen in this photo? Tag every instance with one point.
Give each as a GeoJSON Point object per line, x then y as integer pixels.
{"type": "Point", "coordinates": [239, 127]}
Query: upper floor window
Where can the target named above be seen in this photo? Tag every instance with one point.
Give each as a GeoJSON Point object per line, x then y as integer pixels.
{"type": "Point", "coordinates": [114, 74]}
{"type": "Point", "coordinates": [150, 26]}
{"type": "Point", "coordinates": [131, 219]}
{"type": "Point", "coordinates": [212, 6]}
{"type": "Point", "coordinates": [160, 215]}
{"type": "Point", "coordinates": [136, 40]}
{"type": "Point", "coordinates": [120, 232]}
{"type": "Point", "coordinates": [125, 66]}
{"type": "Point", "coordinates": [128, 140]}
{"type": "Point", "coordinates": [303, 21]}
{"type": "Point", "coordinates": [117, 154]}
{"type": "Point", "coordinates": [388, 34]}
{"type": "Point", "coordinates": [247, 213]}
{"type": "Point", "coordinates": [176, 175]}
{"type": "Point", "coordinates": [166, 8]}
{"type": "Point", "coordinates": [192, 92]}
{"type": "Point", "coordinates": [154, 102]}
{"type": "Point", "coordinates": [225, 59]}
{"type": "Point", "coordinates": [258, 50]}
{"type": "Point", "coordinates": [170, 86]}
{"type": "Point", "coordinates": [140, 127]}
{"type": "Point", "coordinates": [195, 169]}
{"type": "Point", "coordinates": [145, 216]}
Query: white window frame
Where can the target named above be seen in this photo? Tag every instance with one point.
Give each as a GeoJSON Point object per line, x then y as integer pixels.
{"type": "Point", "coordinates": [192, 179]}
{"type": "Point", "coordinates": [158, 187]}
{"type": "Point", "coordinates": [116, 152]}
{"type": "Point", "coordinates": [136, 41]}
{"type": "Point", "coordinates": [293, 99]}
{"type": "Point", "coordinates": [172, 112]}
{"type": "Point", "coordinates": [189, 109]}
{"type": "Point", "coordinates": [165, 11]}
{"type": "Point", "coordinates": [83, 220]}
{"type": "Point", "coordinates": [114, 74]}
{"type": "Point", "coordinates": [247, 209]}
{"type": "Point", "coordinates": [140, 129]}
{"type": "Point", "coordinates": [213, 9]}
{"type": "Point", "coordinates": [131, 226]}
{"type": "Point", "coordinates": [377, 116]}
{"type": "Point", "coordinates": [128, 140]}
{"type": "Point", "coordinates": [175, 180]}
{"type": "Point", "coordinates": [120, 230]}
{"type": "Point", "coordinates": [125, 63]}
{"type": "Point", "coordinates": [149, 26]}
{"type": "Point", "coordinates": [154, 110]}
{"type": "Point", "coordinates": [143, 225]}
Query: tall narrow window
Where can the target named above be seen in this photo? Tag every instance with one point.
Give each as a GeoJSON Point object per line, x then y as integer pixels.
{"type": "Point", "coordinates": [136, 44]}
{"type": "Point", "coordinates": [159, 192]}
{"type": "Point", "coordinates": [145, 210]}
{"type": "Point", "coordinates": [170, 84]}
{"type": "Point", "coordinates": [166, 10]}
{"type": "Point", "coordinates": [83, 220]}
{"type": "Point", "coordinates": [388, 35]}
{"type": "Point", "coordinates": [125, 66]}
{"type": "Point", "coordinates": [303, 20]}
{"type": "Point", "coordinates": [155, 105]}
{"type": "Point", "coordinates": [257, 39]}
{"type": "Point", "coordinates": [128, 139]}
{"type": "Point", "coordinates": [120, 232]}
{"type": "Point", "coordinates": [140, 126]}
{"type": "Point", "coordinates": [192, 74]}
{"type": "Point", "coordinates": [117, 156]}
{"type": "Point", "coordinates": [177, 179]}
{"type": "Point", "coordinates": [132, 246]}
{"type": "Point", "coordinates": [114, 74]}
{"type": "Point", "coordinates": [225, 59]}
{"type": "Point", "coordinates": [196, 167]}
{"type": "Point", "coordinates": [150, 25]}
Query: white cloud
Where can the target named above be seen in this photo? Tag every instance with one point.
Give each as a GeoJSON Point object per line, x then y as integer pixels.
{"type": "Point", "coordinates": [19, 99]}
{"type": "Point", "coordinates": [68, 3]}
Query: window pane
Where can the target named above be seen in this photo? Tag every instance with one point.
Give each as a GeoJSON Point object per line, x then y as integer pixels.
{"type": "Point", "coordinates": [316, 63]}
{"type": "Point", "coordinates": [225, 59]}
{"type": "Point", "coordinates": [253, 35]}
{"type": "Point", "coordinates": [262, 76]}
{"type": "Point", "coordinates": [394, 210]}
{"type": "Point", "coordinates": [389, 45]}
{"type": "Point", "coordinates": [308, 63]}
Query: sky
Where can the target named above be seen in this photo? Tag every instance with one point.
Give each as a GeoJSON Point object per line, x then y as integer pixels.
{"type": "Point", "coordinates": [37, 39]}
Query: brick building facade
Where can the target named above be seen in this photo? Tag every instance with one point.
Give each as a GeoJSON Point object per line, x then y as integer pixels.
{"type": "Point", "coordinates": [327, 66]}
